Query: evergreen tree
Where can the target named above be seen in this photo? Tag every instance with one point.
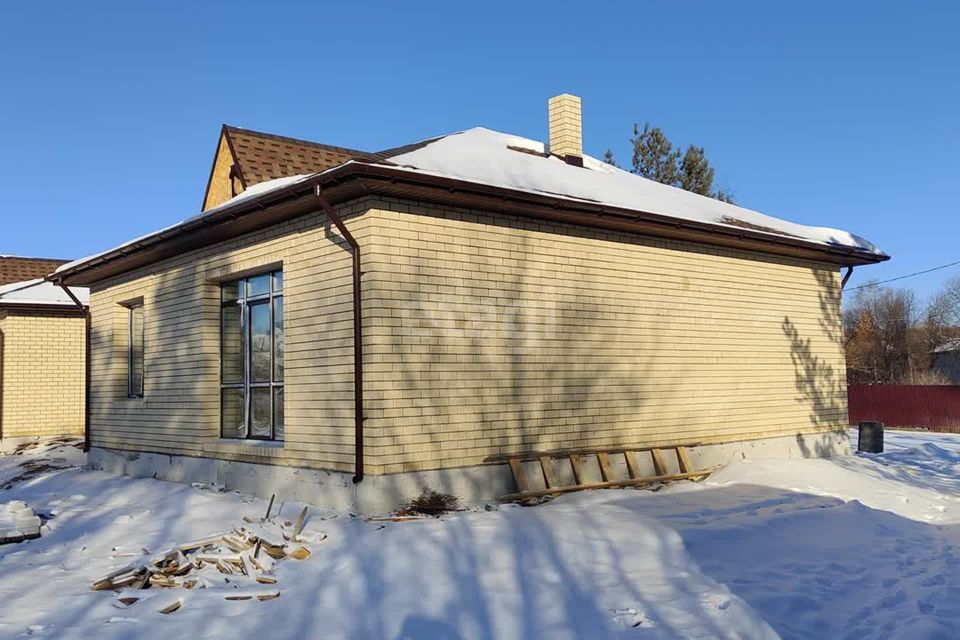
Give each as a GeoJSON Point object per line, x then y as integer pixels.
{"type": "Point", "coordinates": [724, 195]}
{"type": "Point", "coordinates": [654, 156]}
{"type": "Point", "coordinates": [696, 174]}
{"type": "Point", "coordinates": [608, 158]}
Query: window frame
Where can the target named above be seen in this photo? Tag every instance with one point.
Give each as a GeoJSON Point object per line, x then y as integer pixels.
{"type": "Point", "coordinates": [246, 302]}
{"type": "Point", "coordinates": [134, 392]}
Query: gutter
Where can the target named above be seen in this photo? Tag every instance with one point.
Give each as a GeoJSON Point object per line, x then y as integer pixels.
{"type": "Point", "coordinates": [86, 365]}
{"type": "Point", "coordinates": [358, 416]}
{"type": "Point", "coordinates": [846, 277]}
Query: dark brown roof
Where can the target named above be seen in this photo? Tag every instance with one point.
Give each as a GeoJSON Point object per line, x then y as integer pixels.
{"type": "Point", "coordinates": [16, 269]}
{"type": "Point", "coordinates": [265, 156]}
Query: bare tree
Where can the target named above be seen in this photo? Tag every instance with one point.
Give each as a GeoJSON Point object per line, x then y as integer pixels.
{"type": "Point", "coordinates": [943, 313]}
{"type": "Point", "coordinates": [877, 335]}
{"type": "Point", "coordinates": [889, 336]}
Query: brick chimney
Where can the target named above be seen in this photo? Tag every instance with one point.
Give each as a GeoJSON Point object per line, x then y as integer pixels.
{"type": "Point", "coordinates": [566, 133]}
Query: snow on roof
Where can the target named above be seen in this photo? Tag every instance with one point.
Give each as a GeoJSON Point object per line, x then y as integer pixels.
{"type": "Point", "coordinates": [41, 292]}
{"type": "Point", "coordinates": [499, 159]}
{"type": "Point", "coordinates": [256, 190]}
{"type": "Point", "coordinates": [952, 345]}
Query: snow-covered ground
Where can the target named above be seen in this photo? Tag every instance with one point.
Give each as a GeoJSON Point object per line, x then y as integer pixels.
{"type": "Point", "coordinates": [857, 547]}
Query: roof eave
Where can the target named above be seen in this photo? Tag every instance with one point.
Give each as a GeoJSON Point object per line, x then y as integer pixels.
{"type": "Point", "coordinates": [850, 255]}
{"type": "Point", "coordinates": [379, 178]}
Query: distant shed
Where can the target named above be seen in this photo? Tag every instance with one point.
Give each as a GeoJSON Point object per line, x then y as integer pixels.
{"type": "Point", "coordinates": [946, 359]}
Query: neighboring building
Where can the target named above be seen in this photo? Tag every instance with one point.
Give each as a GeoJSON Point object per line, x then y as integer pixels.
{"type": "Point", "coordinates": [512, 296]}
{"type": "Point", "coordinates": [946, 360]}
{"type": "Point", "coordinates": [20, 269]}
{"type": "Point", "coordinates": [42, 356]}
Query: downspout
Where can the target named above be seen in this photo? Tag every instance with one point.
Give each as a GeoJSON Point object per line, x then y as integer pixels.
{"type": "Point", "coordinates": [357, 335]}
{"type": "Point", "coordinates": [86, 366]}
{"type": "Point", "coordinates": [846, 277]}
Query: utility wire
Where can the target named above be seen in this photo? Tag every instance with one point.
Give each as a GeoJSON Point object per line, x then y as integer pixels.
{"type": "Point", "coordinates": [909, 275]}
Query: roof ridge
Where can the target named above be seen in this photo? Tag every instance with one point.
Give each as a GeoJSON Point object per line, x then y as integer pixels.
{"type": "Point", "coordinates": [4, 256]}
{"type": "Point", "coordinates": [276, 136]}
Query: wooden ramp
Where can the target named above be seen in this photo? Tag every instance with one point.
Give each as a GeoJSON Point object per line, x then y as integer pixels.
{"type": "Point", "coordinates": [607, 461]}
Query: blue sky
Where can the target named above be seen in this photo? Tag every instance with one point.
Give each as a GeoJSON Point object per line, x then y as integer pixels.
{"type": "Point", "coordinates": [840, 114]}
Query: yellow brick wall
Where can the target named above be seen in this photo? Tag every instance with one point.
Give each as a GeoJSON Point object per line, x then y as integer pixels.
{"type": "Point", "coordinates": [488, 335]}
{"type": "Point", "coordinates": [180, 410]}
{"type": "Point", "coordinates": [42, 374]}
{"type": "Point", "coordinates": [221, 187]}
{"type": "Point", "coordinates": [483, 334]}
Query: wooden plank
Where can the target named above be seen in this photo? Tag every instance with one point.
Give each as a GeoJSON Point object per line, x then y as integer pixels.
{"type": "Point", "coordinates": [119, 572]}
{"type": "Point", "coordinates": [518, 475]}
{"type": "Point", "coordinates": [605, 471]}
{"type": "Point", "coordinates": [173, 606]}
{"type": "Point", "coordinates": [197, 544]}
{"type": "Point", "coordinates": [659, 464]}
{"type": "Point", "coordinates": [632, 468]}
{"type": "Point", "coordinates": [549, 477]}
{"type": "Point", "coordinates": [575, 464]}
{"type": "Point", "coordinates": [683, 458]}
{"type": "Point", "coordinates": [606, 485]}
{"type": "Point", "coordinates": [563, 453]}
{"type": "Point", "coordinates": [298, 528]}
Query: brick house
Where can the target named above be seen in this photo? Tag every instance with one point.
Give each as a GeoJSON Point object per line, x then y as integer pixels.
{"type": "Point", "coordinates": [345, 327]}
{"type": "Point", "coordinates": [22, 269]}
{"type": "Point", "coordinates": [42, 354]}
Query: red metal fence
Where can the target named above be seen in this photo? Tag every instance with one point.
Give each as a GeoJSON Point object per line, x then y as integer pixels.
{"type": "Point", "coordinates": [931, 407]}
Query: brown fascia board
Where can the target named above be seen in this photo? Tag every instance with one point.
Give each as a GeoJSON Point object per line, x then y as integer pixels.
{"type": "Point", "coordinates": [67, 309]}
{"type": "Point", "coordinates": [357, 178]}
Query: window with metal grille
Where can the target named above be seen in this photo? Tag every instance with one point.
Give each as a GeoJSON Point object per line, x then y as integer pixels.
{"type": "Point", "coordinates": [251, 357]}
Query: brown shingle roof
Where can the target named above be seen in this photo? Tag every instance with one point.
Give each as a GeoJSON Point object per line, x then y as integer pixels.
{"type": "Point", "coordinates": [16, 269]}
{"type": "Point", "coordinates": [265, 156]}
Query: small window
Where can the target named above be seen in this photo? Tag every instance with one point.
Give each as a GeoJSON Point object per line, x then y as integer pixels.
{"type": "Point", "coordinates": [251, 357]}
{"type": "Point", "coordinates": [135, 351]}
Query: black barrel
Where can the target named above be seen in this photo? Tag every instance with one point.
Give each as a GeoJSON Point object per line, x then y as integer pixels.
{"type": "Point", "coordinates": [871, 437]}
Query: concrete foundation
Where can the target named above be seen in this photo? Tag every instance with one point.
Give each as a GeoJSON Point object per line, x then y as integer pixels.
{"type": "Point", "coordinates": [381, 494]}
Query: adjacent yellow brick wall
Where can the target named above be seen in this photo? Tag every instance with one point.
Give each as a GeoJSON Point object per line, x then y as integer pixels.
{"type": "Point", "coordinates": [222, 187]}
{"type": "Point", "coordinates": [483, 334]}
{"type": "Point", "coordinates": [42, 390]}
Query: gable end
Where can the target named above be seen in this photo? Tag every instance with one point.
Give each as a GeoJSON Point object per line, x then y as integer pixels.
{"type": "Point", "coordinates": [226, 177]}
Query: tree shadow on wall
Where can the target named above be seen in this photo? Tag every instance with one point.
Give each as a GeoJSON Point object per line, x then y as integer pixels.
{"type": "Point", "coordinates": [820, 381]}
{"type": "Point", "coordinates": [542, 350]}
